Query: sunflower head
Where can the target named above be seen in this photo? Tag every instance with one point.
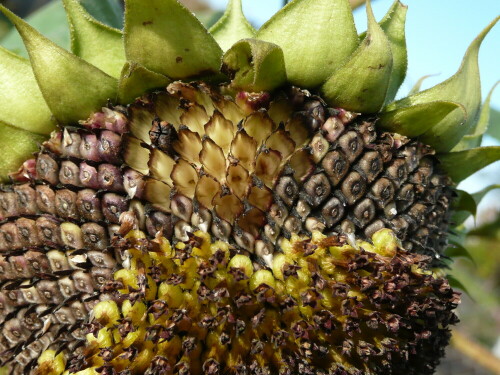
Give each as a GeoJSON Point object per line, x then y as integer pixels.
{"type": "Point", "coordinates": [229, 200]}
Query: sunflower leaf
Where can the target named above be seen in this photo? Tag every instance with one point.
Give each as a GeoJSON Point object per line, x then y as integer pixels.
{"type": "Point", "coordinates": [361, 84]}
{"type": "Point", "coordinates": [457, 284]}
{"type": "Point", "coordinates": [136, 79]}
{"type": "Point", "coordinates": [309, 31]}
{"type": "Point", "coordinates": [465, 88]}
{"type": "Point", "coordinates": [232, 26]}
{"type": "Point", "coordinates": [255, 65]}
{"type": "Point", "coordinates": [393, 25]}
{"type": "Point", "coordinates": [88, 36]}
{"type": "Point", "coordinates": [455, 250]}
{"type": "Point", "coordinates": [461, 212]}
{"type": "Point", "coordinates": [153, 39]}
{"type": "Point", "coordinates": [416, 120]}
{"type": "Point", "coordinates": [71, 87]}
{"type": "Point", "coordinates": [16, 145]}
{"type": "Point", "coordinates": [462, 164]}
{"type": "Point", "coordinates": [21, 102]}
{"type": "Point", "coordinates": [464, 202]}
{"type": "Point", "coordinates": [475, 136]}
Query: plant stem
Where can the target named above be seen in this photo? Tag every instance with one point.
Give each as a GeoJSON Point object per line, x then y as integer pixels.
{"type": "Point", "coordinates": [475, 351]}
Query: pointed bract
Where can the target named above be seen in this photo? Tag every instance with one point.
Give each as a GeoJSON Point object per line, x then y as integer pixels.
{"type": "Point", "coordinates": [416, 120]}
{"type": "Point", "coordinates": [136, 80]}
{"type": "Point", "coordinates": [94, 41]}
{"type": "Point", "coordinates": [417, 86]}
{"type": "Point", "coordinates": [21, 102]}
{"type": "Point", "coordinates": [255, 65]}
{"type": "Point", "coordinates": [475, 136]}
{"type": "Point", "coordinates": [465, 88]}
{"type": "Point", "coordinates": [154, 40]}
{"type": "Point", "coordinates": [307, 35]}
{"type": "Point", "coordinates": [16, 145]}
{"type": "Point", "coordinates": [232, 26]}
{"type": "Point", "coordinates": [71, 87]}
{"type": "Point", "coordinates": [361, 84]}
{"type": "Point", "coordinates": [393, 25]}
{"type": "Point", "coordinates": [462, 164]}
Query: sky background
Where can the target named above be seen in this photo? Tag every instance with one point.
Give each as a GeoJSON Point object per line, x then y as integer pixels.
{"type": "Point", "coordinates": [438, 33]}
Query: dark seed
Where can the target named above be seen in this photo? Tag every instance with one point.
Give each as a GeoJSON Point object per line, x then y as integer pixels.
{"type": "Point", "coordinates": [71, 144]}
{"type": "Point", "coordinates": [95, 236]}
{"type": "Point", "coordinates": [89, 147]}
{"type": "Point", "coordinates": [89, 205]}
{"type": "Point", "coordinates": [352, 145]}
{"type": "Point", "coordinates": [133, 183]}
{"type": "Point", "coordinates": [159, 222]}
{"type": "Point", "coordinates": [182, 207]}
{"type": "Point", "coordinates": [110, 177]}
{"type": "Point", "coordinates": [47, 169]}
{"type": "Point", "coordinates": [287, 189]}
{"type": "Point", "coordinates": [49, 291]}
{"type": "Point", "coordinates": [333, 211]}
{"type": "Point", "coordinates": [8, 205]}
{"type": "Point", "coordinates": [48, 231]}
{"type": "Point", "coordinates": [110, 147]}
{"type": "Point", "coordinates": [10, 237]}
{"type": "Point", "coordinates": [88, 176]}
{"type": "Point", "coordinates": [382, 191]}
{"type": "Point", "coordinates": [336, 165]}
{"type": "Point", "coordinates": [45, 199]}
{"type": "Point", "coordinates": [66, 204]}
{"type": "Point", "coordinates": [26, 199]}
{"type": "Point", "coordinates": [113, 205]}
{"type": "Point", "coordinates": [353, 187]}
{"type": "Point", "coordinates": [364, 212]}
{"type": "Point", "coordinates": [69, 174]}
{"type": "Point", "coordinates": [317, 189]}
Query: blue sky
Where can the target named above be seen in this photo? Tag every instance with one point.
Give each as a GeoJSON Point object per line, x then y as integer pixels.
{"type": "Point", "coordinates": [438, 33]}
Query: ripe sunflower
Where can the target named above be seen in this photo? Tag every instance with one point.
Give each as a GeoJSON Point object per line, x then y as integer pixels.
{"type": "Point", "coordinates": [230, 200]}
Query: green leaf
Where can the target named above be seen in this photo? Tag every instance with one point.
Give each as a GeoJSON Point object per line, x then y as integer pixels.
{"type": "Point", "coordinates": [94, 41]}
{"type": "Point", "coordinates": [136, 80]}
{"type": "Point", "coordinates": [361, 84]}
{"type": "Point", "coordinates": [464, 204]}
{"type": "Point", "coordinates": [166, 38]}
{"type": "Point", "coordinates": [109, 12]}
{"type": "Point", "coordinates": [456, 284]}
{"type": "Point", "coordinates": [316, 36]}
{"type": "Point", "coordinates": [462, 164]}
{"type": "Point", "coordinates": [465, 88]}
{"type": "Point", "coordinates": [50, 20]}
{"type": "Point", "coordinates": [71, 87]}
{"type": "Point", "coordinates": [16, 145]}
{"type": "Point", "coordinates": [254, 65]}
{"type": "Point", "coordinates": [416, 120]}
{"type": "Point", "coordinates": [393, 25]}
{"type": "Point", "coordinates": [416, 87]}
{"type": "Point", "coordinates": [475, 136]}
{"type": "Point", "coordinates": [462, 212]}
{"type": "Point", "coordinates": [232, 26]}
{"type": "Point", "coordinates": [456, 250]}
{"type": "Point", "coordinates": [21, 102]}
